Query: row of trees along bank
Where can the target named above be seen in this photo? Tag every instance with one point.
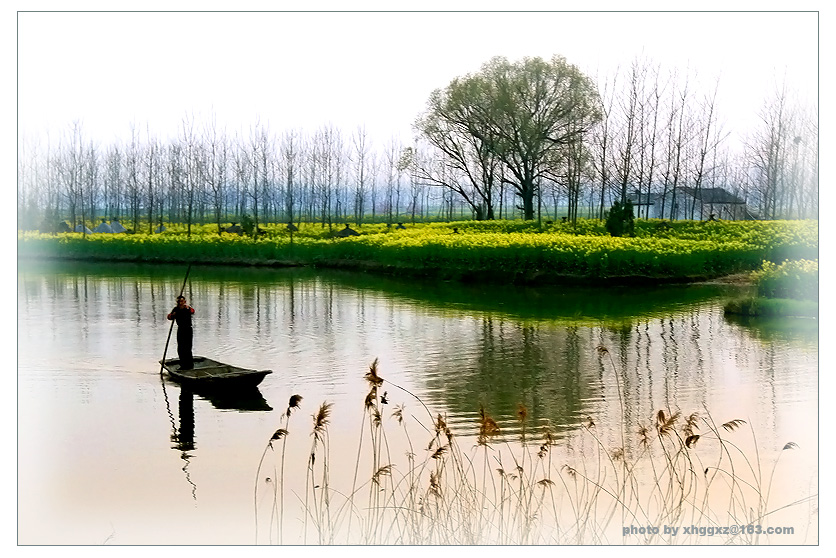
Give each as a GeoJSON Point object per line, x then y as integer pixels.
{"type": "Point", "coordinates": [523, 139]}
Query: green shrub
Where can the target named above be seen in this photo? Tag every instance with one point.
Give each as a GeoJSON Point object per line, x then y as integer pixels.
{"type": "Point", "coordinates": [247, 224]}
{"type": "Point", "coordinates": [795, 279]}
{"type": "Point", "coordinates": [620, 221]}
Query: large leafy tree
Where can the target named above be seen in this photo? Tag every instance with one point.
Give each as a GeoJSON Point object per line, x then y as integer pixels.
{"type": "Point", "coordinates": [521, 114]}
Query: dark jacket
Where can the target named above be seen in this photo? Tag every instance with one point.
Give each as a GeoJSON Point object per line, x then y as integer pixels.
{"type": "Point", "coordinates": [183, 316]}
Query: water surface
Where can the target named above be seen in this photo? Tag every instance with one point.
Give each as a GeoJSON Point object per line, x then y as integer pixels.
{"type": "Point", "coordinates": [111, 452]}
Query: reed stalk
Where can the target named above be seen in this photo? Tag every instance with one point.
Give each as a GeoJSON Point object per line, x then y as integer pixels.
{"type": "Point", "coordinates": [682, 470]}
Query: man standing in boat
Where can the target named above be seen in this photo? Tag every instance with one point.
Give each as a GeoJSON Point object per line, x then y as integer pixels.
{"type": "Point", "coordinates": [182, 313]}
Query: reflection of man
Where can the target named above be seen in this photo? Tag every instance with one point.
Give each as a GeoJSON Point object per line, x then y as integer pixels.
{"type": "Point", "coordinates": [185, 436]}
{"type": "Point", "coordinates": [182, 314]}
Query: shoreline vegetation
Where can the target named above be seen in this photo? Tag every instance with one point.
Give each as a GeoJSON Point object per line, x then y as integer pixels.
{"type": "Point", "coordinates": [512, 252]}
{"type": "Point", "coordinates": [789, 289]}
{"type": "Point", "coordinates": [648, 484]}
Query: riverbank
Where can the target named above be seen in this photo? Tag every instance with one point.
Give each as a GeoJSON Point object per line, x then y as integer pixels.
{"type": "Point", "coordinates": [788, 290]}
{"type": "Point", "coordinates": [497, 252]}
{"type": "Point", "coordinates": [496, 276]}
{"type": "Point", "coordinates": [773, 307]}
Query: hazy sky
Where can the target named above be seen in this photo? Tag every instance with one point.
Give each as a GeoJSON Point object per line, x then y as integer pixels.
{"type": "Point", "coordinates": [304, 70]}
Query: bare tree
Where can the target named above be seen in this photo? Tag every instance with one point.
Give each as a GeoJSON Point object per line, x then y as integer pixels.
{"type": "Point", "coordinates": [215, 156]}
{"type": "Point", "coordinates": [190, 169]}
{"type": "Point", "coordinates": [678, 127]}
{"type": "Point", "coordinates": [310, 171]}
{"type": "Point", "coordinates": [627, 138]}
{"type": "Point", "coordinates": [708, 135]}
{"type": "Point", "coordinates": [242, 171]}
{"type": "Point", "coordinates": [30, 185]}
{"type": "Point", "coordinates": [90, 170]}
{"type": "Point", "coordinates": [70, 172]}
{"type": "Point", "coordinates": [781, 150]}
{"type": "Point", "coordinates": [374, 186]}
{"type": "Point", "coordinates": [467, 165]}
{"type": "Point", "coordinates": [290, 161]}
{"type": "Point", "coordinates": [113, 182]}
{"type": "Point", "coordinates": [327, 154]}
{"type": "Point", "coordinates": [602, 138]}
{"type": "Point", "coordinates": [152, 178]}
{"type": "Point", "coordinates": [649, 138]}
{"type": "Point", "coordinates": [393, 179]}
{"type": "Point", "coordinates": [261, 149]}
{"type": "Point", "coordinates": [361, 159]}
{"type": "Point", "coordinates": [411, 159]}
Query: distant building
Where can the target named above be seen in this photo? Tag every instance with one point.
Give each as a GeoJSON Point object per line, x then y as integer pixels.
{"type": "Point", "coordinates": [82, 228]}
{"type": "Point", "coordinates": [717, 202]}
{"type": "Point", "coordinates": [103, 228]}
{"type": "Point", "coordinates": [347, 231]}
{"type": "Point", "coordinates": [117, 227]}
{"type": "Point", "coordinates": [702, 203]}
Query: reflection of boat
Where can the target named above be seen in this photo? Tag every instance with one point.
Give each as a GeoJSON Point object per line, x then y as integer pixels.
{"type": "Point", "coordinates": [242, 399]}
{"type": "Point", "coordinates": [208, 373]}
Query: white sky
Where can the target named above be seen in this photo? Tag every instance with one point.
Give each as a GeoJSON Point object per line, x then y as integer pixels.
{"type": "Point", "coordinates": [303, 70]}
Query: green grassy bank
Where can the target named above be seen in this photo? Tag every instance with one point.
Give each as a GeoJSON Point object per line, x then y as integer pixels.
{"type": "Point", "coordinates": [499, 250]}
{"type": "Point", "coordinates": [788, 289]}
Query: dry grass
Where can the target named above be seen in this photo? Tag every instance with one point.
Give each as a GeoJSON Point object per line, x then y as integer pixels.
{"type": "Point", "coordinates": [683, 470]}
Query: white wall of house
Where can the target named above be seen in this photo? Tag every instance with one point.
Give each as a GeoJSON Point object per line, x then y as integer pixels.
{"type": "Point", "coordinates": [684, 202]}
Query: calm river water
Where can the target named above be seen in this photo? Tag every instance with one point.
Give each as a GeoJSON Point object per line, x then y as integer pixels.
{"type": "Point", "coordinates": [109, 452]}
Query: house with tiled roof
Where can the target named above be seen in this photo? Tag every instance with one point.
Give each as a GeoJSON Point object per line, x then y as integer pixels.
{"type": "Point", "coordinates": [700, 204]}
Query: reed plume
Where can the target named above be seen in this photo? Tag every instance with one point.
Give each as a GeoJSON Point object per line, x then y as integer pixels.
{"type": "Point", "coordinates": [691, 424]}
{"type": "Point", "coordinates": [732, 425]}
{"type": "Point", "coordinates": [522, 418]}
{"type": "Point", "coordinates": [371, 376]}
{"type": "Point", "coordinates": [398, 413]}
{"type": "Point", "coordinates": [665, 424]}
{"type": "Point", "coordinates": [293, 403]}
{"type": "Point", "coordinates": [440, 424]}
{"type": "Point", "coordinates": [548, 440]}
{"type": "Point", "coordinates": [371, 399]}
{"type": "Point", "coordinates": [384, 470]}
{"type": "Point", "coordinates": [321, 419]}
{"type": "Point", "coordinates": [435, 484]}
{"type": "Point", "coordinates": [644, 436]}
{"type": "Point", "coordinates": [488, 428]}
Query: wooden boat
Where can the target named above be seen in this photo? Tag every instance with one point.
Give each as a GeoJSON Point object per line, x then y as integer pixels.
{"type": "Point", "coordinates": [208, 373]}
